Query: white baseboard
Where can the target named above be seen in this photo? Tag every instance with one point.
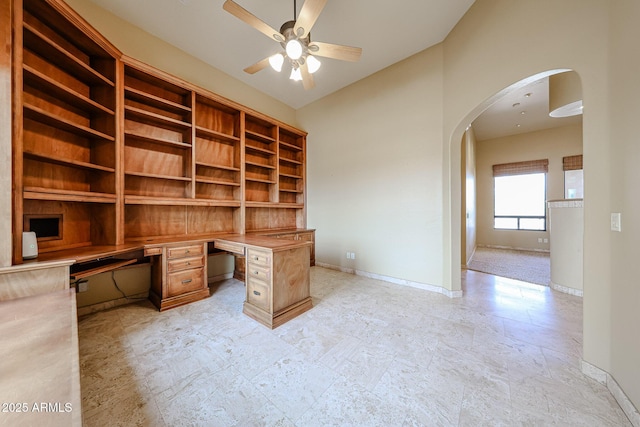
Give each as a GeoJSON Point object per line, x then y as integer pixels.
{"type": "Point", "coordinates": [603, 377]}
{"type": "Point", "coordinates": [403, 282]}
{"type": "Point", "coordinates": [566, 290]}
{"type": "Point", "coordinates": [511, 248]}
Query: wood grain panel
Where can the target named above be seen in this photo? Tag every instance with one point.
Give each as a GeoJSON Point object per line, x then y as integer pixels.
{"type": "Point", "coordinates": [155, 159]}
{"type": "Point", "coordinates": [202, 220]}
{"type": "Point", "coordinates": [291, 279]}
{"type": "Point", "coordinates": [217, 117]}
{"type": "Point", "coordinates": [218, 152]}
{"type": "Point", "coordinates": [143, 221]}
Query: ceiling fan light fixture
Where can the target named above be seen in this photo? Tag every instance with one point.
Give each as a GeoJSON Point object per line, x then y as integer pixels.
{"type": "Point", "coordinates": [296, 75]}
{"type": "Point", "coordinates": [294, 49]}
{"type": "Point", "coordinates": [276, 61]}
{"type": "Point", "coordinates": [313, 64]}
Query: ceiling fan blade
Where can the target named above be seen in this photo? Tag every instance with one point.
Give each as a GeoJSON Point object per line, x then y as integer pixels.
{"type": "Point", "coordinates": [244, 15]}
{"type": "Point", "coordinates": [336, 51]}
{"type": "Point", "coordinates": [260, 65]}
{"type": "Point", "coordinates": [307, 77]}
{"type": "Point", "coordinates": [309, 13]}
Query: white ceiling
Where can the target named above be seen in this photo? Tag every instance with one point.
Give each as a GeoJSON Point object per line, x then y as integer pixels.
{"type": "Point", "coordinates": [387, 32]}
{"type": "Point", "coordinates": [520, 111]}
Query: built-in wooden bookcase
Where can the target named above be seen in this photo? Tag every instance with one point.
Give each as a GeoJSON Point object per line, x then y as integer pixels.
{"type": "Point", "coordinates": [291, 168]}
{"type": "Point", "coordinates": [108, 150]}
{"type": "Point", "coordinates": [66, 85]}
{"type": "Point", "coordinates": [217, 151]}
{"type": "Point", "coordinates": [157, 139]}
{"type": "Point", "coordinates": [260, 161]}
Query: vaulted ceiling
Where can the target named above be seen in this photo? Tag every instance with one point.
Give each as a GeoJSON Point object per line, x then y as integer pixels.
{"type": "Point", "coordinates": [386, 31]}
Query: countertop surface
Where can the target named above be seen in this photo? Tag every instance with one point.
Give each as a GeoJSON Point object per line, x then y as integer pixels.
{"type": "Point", "coordinates": [39, 369]}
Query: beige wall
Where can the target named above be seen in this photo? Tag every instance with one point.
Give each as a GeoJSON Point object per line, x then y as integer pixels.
{"type": "Point", "coordinates": [138, 44]}
{"type": "Point", "coordinates": [375, 171]}
{"type": "Point", "coordinates": [625, 177]}
{"type": "Point", "coordinates": [551, 144]}
{"type": "Point", "coordinates": [468, 196]}
{"type": "Point", "coordinates": [484, 54]}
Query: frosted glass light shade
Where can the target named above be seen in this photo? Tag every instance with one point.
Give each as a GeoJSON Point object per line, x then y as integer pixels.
{"type": "Point", "coordinates": [296, 75]}
{"type": "Point", "coordinates": [276, 61]}
{"type": "Point", "coordinates": [313, 64]}
{"type": "Point", "coordinates": [294, 49]}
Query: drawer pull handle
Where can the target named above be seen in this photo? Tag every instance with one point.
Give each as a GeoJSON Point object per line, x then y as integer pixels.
{"type": "Point", "coordinates": [184, 282]}
{"type": "Point", "coordinates": [188, 251]}
{"type": "Point", "coordinates": [255, 258]}
{"type": "Point", "coordinates": [256, 293]}
{"type": "Point", "coordinates": [255, 272]}
{"type": "Point", "coordinates": [188, 262]}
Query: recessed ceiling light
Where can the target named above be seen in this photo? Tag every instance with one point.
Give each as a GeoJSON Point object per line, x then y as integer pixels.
{"type": "Point", "coordinates": [518, 125]}
{"type": "Point", "coordinates": [523, 112]}
{"type": "Point", "coordinates": [527, 95]}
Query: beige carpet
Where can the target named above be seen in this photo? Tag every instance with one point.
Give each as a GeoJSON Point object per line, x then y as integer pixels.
{"type": "Point", "coordinates": [528, 266]}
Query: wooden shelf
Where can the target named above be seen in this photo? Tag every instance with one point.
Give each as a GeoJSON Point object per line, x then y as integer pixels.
{"type": "Point", "coordinates": [263, 181]}
{"type": "Point", "coordinates": [205, 180]}
{"type": "Point", "coordinates": [41, 81]}
{"type": "Point", "coordinates": [153, 140]}
{"type": "Point", "coordinates": [286, 190]}
{"type": "Point", "coordinates": [156, 101]}
{"type": "Point", "coordinates": [157, 176]}
{"type": "Point", "coordinates": [214, 166]}
{"type": "Point", "coordinates": [68, 162]}
{"type": "Point", "coordinates": [259, 150]}
{"type": "Point", "coordinates": [260, 165]}
{"type": "Point", "coordinates": [212, 134]}
{"type": "Point", "coordinates": [42, 45]}
{"type": "Point", "coordinates": [165, 201]}
{"type": "Point", "coordinates": [259, 136]}
{"type": "Point", "coordinates": [291, 146]}
{"type": "Point", "coordinates": [42, 116]}
{"type": "Point", "coordinates": [38, 193]}
{"type": "Point", "coordinates": [291, 176]}
{"type": "Point", "coordinates": [291, 161]}
{"type": "Point", "coordinates": [144, 116]}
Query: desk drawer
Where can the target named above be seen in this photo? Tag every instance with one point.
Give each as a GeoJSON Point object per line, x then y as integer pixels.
{"type": "Point", "coordinates": [258, 294]}
{"type": "Point", "coordinates": [152, 251]}
{"type": "Point", "coordinates": [259, 272]}
{"type": "Point", "coordinates": [184, 263]}
{"type": "Point", "coordinates": [259, 258]}
{"type": "Point", "coordinates": [234, 248]}
{"type": "Point", "coordinates": [185, 281]}
{"type": "Point", "coordinates": [185, 251]}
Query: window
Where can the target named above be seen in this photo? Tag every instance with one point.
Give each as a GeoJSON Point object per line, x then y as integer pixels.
{"type": "Point", "coordinates": [573, 177]}
{"type": "Point", "coordinates": [520, 191]}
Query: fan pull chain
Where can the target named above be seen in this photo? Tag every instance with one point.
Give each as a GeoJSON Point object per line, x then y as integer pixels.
{"type": "Point", "coordinates": [295, 10]}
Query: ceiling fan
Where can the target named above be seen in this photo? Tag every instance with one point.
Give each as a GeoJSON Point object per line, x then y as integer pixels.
{"type": "Point", "coordinates": [295, 38]}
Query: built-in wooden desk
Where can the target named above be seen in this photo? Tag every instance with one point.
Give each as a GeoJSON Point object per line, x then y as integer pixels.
{"type": "Point", "coordinates": [39, 369]}
{"type": "Point", "coordinates": [277, 276]}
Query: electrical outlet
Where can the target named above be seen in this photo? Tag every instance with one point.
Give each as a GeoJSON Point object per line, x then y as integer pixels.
{"type": "Point", "coordinates": [83, 287]}
{"type": "Point", "coordinates": [353, 255]}
{"type": "Point", "coordinates": [539, 239]}
{"type": "Point", "coordinates": [546, 240]}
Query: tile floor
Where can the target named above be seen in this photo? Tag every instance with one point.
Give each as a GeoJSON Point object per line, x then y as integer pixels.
{"type": "Point", "coordinates": [369, 353]}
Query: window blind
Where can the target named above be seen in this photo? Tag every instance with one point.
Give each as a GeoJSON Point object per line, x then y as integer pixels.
{"type": "Point", "coordinates": [572, 163]}
{"type": "Point", "coordinates": [521, 168]}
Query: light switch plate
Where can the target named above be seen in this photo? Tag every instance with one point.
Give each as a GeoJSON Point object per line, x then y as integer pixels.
{"type": "Point", "coordinates": [616, 221]}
